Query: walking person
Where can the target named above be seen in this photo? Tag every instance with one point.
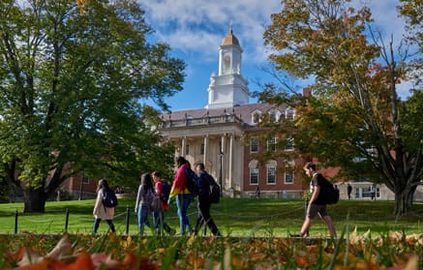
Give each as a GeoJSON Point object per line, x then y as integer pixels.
{"type": "Point", "coordinates": [181, 192]}
{"type": "Point", "coordinates": [349, 190]}
{"type": "Point", "coordinates": [144, 200]}
{"type": "Point", "coordinates": [101, 212]}
{"type": "Point", "coordinates": [317, 204]}
{"type": "Point", "coordinates": [162, 189]}
{"type": "Point", "coordinates": [204, 203]}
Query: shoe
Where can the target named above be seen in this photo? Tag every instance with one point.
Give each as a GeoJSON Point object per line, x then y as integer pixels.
{"type": "Point", "coordinates": [295, 235]}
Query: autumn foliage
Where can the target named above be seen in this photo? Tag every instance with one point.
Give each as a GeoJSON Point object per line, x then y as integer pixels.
{"type": "Point", "coordinates": [391, 251]}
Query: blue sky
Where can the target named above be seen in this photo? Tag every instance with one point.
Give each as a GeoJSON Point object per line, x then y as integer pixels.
{"type": "Point", "coordinates": [194, 30]}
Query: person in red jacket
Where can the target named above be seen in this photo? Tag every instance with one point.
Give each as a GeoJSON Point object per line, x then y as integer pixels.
{"type": "Point", "coordinates": [159, 222]}
{"type": "Point", "coordinates": [181, 193]}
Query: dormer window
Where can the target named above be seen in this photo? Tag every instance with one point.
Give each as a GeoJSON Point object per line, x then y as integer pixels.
{"type": "Point", "coordinates": [255, 117]}
{"type": "Point", "coordinates": [290, 114]}
{"type": "Point", "coordinates": [274, 116]}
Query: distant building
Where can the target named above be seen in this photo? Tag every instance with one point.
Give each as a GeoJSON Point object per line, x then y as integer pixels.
{"type": "Point", "coordinates": [216, 134]}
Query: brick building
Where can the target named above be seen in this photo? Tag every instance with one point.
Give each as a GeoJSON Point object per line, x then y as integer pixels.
{"type": "Point", "coordinates": [216, 135]}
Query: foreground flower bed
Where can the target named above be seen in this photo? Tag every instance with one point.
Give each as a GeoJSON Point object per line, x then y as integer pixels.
{"type": "Point", "coordinates": [79, 252]}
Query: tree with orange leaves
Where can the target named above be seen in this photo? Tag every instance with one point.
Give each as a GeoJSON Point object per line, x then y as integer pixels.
{"type": "Point", "coordinates": [355, 117]}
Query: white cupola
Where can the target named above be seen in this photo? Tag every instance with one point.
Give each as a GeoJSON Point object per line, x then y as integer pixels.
{"type": "Point", "coordinates": [228, 88]}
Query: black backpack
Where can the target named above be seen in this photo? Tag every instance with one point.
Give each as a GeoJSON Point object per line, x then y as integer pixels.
{"type": "Point", "coordinates": [214, 190]}
{"type": "Point", "coordinates": [192, 185]}
{"type": "Point", "coordinates": [109, 199]}
{"type": "Point", "coordinates": [331, 193]}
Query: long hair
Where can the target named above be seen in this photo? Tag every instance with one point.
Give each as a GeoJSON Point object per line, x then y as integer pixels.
{"type": "Point", "coordinates": [102, 183]}
{"type": "Point", "coordinates": [180, 161]}
{"type": "Point", "coordinates": [147, 181]}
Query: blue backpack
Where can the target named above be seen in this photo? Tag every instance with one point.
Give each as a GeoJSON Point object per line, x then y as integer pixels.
{"type": "Point", "coordinates": [109, 199]}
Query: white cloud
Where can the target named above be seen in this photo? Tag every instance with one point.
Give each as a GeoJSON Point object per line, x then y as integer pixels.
{"type": "Point", "coordinates": [199, 25]}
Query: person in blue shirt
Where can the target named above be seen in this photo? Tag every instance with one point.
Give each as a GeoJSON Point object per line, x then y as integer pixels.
{"type": "Point", "coordinates": [204, 202]}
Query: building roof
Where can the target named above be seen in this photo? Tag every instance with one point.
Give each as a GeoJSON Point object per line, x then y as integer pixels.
{"type": "Point", "coordinates": [244, 112]}
{"type": "Point", "coordinates": [230, 39]}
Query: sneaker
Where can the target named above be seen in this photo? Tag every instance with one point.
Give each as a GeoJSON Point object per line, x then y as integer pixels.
{"type": "Point", "coordinates": [295, 235]}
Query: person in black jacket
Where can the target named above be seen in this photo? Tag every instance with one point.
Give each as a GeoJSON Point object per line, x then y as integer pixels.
{"type": "Point", "coordinates": [317, 204]}
{"type": "Point", "coordinates": [204, 203]}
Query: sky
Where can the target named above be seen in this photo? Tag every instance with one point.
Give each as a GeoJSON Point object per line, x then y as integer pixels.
{"type": "Point", "coordinates": [194, 29]}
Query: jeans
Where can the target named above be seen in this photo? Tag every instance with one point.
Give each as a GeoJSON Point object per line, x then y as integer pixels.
{"type": "Point", "coordinates": [97, 224]}
{"type": "Point", "coordinates": [143, 218]}
{"type": "Point", "coordinates": [182, 203]}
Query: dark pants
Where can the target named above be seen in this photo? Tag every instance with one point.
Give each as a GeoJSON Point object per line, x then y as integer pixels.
{"type": "Point", "coordinates": [204, 217]}
{"type": "Point", "coordinates": [97, 224]}
{"type": "Point", "coordinates": [159, 223]}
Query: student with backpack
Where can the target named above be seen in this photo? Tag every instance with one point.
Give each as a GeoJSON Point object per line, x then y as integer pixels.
{"type": "Point", "coordinates": [205, 184]}
{"type": "Point", "coordinates": [181, 191]}
{"type": "Point", "coordinates": [144, 201]}
{"type": "Point", "coordinates": [104, 208]}
{"type": "Point", "coordinates": [322, 194]}
{"type": "Point", "coordinates": [162, 190]}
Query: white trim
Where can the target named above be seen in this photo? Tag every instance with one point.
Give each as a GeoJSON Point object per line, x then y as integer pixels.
{"type": "Point", "coordinates": [267, 174]}
{"type": "Point", "coordinates": [258, 175]}
{"type": "Point", "coordinates": [275, 143]}
{"type": "Point", "coordinates": [258, 145]}
{"type": "Point", "coordinates": [284, 178]}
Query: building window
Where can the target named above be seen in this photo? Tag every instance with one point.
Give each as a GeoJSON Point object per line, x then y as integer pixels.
{"type": "Point", "coordinates": [288, 176]}
{"type": "Point", "coordinates": [254, 176]}
{"type": "Point", "coordinates": [202, 149]}
{"type": "Point", "coordinates": [289, 114]}
{"type": "Point", "coordinates": [271, 172]}
{"type": "Point", "coordinates": [85, 179]}
{"type": "Point", "coordinates": [271, 144]}
{"type": "Point", "coordinates": [271, 175]}
{"type": "Point", "coordinates": [255, 117]}
{"type": "Point", "coordinates": [254, 172]}
{"type": "Point", "coordinates": [187, 150]}
{"type": "Point", "coordinates": [289, 146]}
{"type": "Point", "coordinates": [274, 116]}
{"type": "Point", "coordinates": [254, 145]}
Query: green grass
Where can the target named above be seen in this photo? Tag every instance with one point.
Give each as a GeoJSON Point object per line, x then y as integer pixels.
{"type": "Point", "coordinates": [235, 217]}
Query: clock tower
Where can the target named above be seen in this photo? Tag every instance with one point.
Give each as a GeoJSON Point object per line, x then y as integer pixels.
{"type": "Point", "coordinates": [228, 88]}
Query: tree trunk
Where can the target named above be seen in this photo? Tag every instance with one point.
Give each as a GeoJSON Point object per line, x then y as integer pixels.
{"type": "Point", "coordinates": [35, 200]}
{"type": "Point", "coordinates": [403, 202]}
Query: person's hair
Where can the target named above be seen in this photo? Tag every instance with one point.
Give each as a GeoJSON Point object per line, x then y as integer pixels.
{"type": "Point", "coordinates": [157, 174]}
{"type": "Point", "coordinates": [147, 181]}
{"type": "Point", "coordinates": [180, 161]}
{"type": "Point", "coordinates": [201, 165]}
{"type": "Point", "coordinates": [102, 183]}
{"type": "Point", "coordinates": [310, 165]}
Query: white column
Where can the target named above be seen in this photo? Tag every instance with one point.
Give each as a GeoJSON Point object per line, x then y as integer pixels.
{"type": "Point", "coordinates": [231, 155]}
{"type": "Point", "coordinates": [183, 146]}
{"type": "Point", "coordinates": [206, 142]}
{"type": "Point", "coordinates": [222, 151]}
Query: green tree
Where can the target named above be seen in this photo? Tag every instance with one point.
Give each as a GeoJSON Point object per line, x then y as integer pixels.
{"type": "Point", "coordinates": [355, 118]}
{"type": "Point", "coordinates": [73, 79]}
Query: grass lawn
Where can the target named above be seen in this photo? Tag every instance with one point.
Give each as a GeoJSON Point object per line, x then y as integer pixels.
{"type": "Point", "coordinates": [235, 217]}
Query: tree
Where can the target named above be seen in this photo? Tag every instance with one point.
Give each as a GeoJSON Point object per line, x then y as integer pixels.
{"type": "Point", "coordinates": [355, 118]}
{"type": "Point", "coordinates": [72, 81]}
